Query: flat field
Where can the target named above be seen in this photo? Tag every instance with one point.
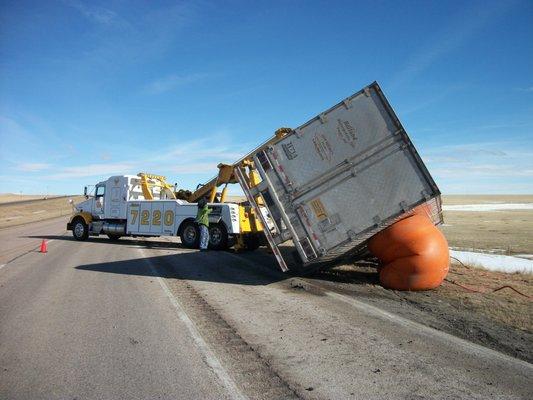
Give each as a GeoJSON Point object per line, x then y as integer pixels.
{"type": "Point", "coordinates": [505, 231]}
{"type": "Point", "coordinates": [18, 213]}
{"type": "Point", "coordinates": [13, 197]}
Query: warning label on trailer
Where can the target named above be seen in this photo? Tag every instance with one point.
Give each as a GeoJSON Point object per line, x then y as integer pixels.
{"type": "Point", "coordinates": [318, 209]}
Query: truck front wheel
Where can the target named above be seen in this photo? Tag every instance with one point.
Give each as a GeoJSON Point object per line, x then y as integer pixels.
{"type": "Point", "coordinates": [190, 235]}
{"type": "Point", "coordinates": [80, 230]}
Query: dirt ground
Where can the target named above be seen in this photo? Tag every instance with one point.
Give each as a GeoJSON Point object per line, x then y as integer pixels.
{"type": "Point", "coordinates": [465, 305]}
{"type": "Point", "coordinates": [491, 308]}
{"type": "Point", "coordinates": [15, 213]}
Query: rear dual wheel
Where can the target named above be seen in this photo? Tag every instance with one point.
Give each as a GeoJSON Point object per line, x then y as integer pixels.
{"type": "Point", "coordinates": [218, 236]}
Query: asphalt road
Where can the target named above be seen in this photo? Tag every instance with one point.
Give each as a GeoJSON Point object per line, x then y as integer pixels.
{"type": "Point", "coordinates": [67, 333]}
{"type": "Point", "coordinates": [143, 319]}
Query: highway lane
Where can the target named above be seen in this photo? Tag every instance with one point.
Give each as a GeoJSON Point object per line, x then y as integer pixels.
{"type": "Point", "coordinates": [71, 333]}
{"type": "Point", "coordinates": [18, 240]}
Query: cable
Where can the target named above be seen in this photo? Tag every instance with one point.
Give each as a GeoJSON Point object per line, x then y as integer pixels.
{"type": "Point", "coordinates": [491, 291]}
{"type": "Point", "coordinates": [460, 262]}
{"type": "Point", "coordinates": [512, 288]}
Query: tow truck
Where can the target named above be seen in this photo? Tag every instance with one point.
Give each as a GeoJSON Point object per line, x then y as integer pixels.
{"type": "Point", "coordinates": [146, 205]}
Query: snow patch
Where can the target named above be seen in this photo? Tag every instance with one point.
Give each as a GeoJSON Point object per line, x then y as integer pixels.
{"type": "Point", "coordinates": [488, 207]}
{"type": "Point", "coordinates": [494, 262]}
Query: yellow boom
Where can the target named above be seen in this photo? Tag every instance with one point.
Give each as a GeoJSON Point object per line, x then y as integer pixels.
{"type": "Point", "coordinates": [148, 181]}
{"type": "Point", "coordinates": [250, 223]}
{"type": "Point", "coordinates": [226, 173]}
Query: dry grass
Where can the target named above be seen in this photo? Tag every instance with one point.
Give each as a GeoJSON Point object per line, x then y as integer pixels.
{"type": "Point", "coordinates": [475, 289]}
{"type": "Point", "coordinates": [12, 197]}
{"type": "Point", "coordinates": [23, 213]}
{"type": "Point", "coordinates": [507, 232]}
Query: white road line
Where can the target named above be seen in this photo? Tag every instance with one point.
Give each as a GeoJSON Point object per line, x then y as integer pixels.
{"type": "Point", "coordinates": [208, 354]}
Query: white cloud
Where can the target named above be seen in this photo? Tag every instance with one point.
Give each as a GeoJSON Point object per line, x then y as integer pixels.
{"type": "Point", "coordinates": [197, 158]}
{"type": "Point", "coordinates": [83, 171]}
{"type": "Point", "coordinates": [467, 24]}
{"type": "Point", "coordinates": [123, 35]}
{"type": "Point", "coordinates": [100, 15]}
{"type": "Point", "coordinates": [490, 167]}
{"type": "Point", "coordinates": [195, 168]}
{"type": "Point", "coordinates": [172, 82]}
{"type": "Point", "coordinates": [487, 170]}
{"type": "Point", "coordinates": [32, 167]}
{"type": "Point", "coordinates": [10, 127]}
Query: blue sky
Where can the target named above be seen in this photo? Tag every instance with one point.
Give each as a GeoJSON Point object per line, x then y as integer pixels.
{"type": "Point", "coordinates": [89, 89]}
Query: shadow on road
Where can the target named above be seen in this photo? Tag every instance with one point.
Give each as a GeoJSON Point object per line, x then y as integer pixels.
{"type": "Point", "coordinates": [253, 268]}
{"type": "Point", "coordinates": [121, 242]}
{"type": "Point", "coordinates": [249, 268]}
{"type": "Point", "coordinates": [212, 266]}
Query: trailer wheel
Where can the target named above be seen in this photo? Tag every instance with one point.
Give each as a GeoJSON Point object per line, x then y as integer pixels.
{"type": "Point", "coordinates": [80, 230]}
{"type": "Point", "coordinates": [113, 238]}
{"type": "Point", "coordinates": [218, 237]}
{"type": "Point", "coordinates": [190, 235]}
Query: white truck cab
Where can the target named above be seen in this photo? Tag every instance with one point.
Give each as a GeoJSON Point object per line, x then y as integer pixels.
{"type": "Point", "coordinates": [111, 197]}
{"type": "Point", "coordinates": [119, 208]}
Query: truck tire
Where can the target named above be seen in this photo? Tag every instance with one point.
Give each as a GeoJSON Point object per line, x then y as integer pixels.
{"type": "Point", "coordinates": [190, 235]}
{"type": "Point", "coordinates": [80, 230]}
{"type": "Point", "coordinates": [218, 237]}
{"type": "Point", "coordinates": [113, 238]}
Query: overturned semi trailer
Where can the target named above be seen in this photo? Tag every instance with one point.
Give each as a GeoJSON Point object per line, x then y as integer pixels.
{"type": "Point", "coordinates": [334, 183]}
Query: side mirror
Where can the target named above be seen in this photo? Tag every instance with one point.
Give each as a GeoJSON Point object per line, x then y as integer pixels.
{"type": "Point", "coordinates": [85, 191]}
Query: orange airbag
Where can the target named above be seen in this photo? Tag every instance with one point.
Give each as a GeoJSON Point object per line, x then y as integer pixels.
{"type": "Point", "coordinates": [414, 254]}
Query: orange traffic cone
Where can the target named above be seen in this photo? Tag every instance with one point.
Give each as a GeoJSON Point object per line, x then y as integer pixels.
{"type": "Point", "coordinates": [44, 248]}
